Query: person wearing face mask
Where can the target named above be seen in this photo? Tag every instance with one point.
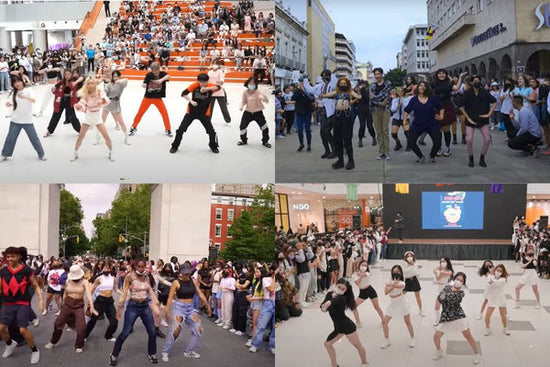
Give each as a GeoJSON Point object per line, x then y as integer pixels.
{"type": "Point", "coordinates": [478, 106]}
{"type": "Point", "coordinates": [362, 278]}
{"type": "Point", "coordinates": [495, 298]}
{"type": "Point", "coordinates": [442, 274]}
{"type": "Point", "coordinates": [254, 101]}
{"type": "Point", "coordinates": [507, 107]}
{"type": "Point", "coordinates": [104, 303]}
{"type": "Point", "coordinates": [453, 317]}
{"type": "Point", "coordinates": [411, 271]}
{"type": "Point", "coordinates": [216, 293]}
{"type": "Point", "coordinates": [486, 270]}
{"type": "Point", "coordinates": [217, 76]}
{"type": "Point", "coordinates": [336, 302]}
{"type": "Point", "coordinates": [529, 277]}
{"type": "Point", "coordinates": [344, 96]}
{"type": "Point", "coordinates": [303, 256]}
{"type": "Point", "coordinates": [114, 87]}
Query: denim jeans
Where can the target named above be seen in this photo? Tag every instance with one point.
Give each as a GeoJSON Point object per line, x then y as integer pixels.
{"type": "Point", "coordinates": [303, 121]}
{"type": "Point", "coordinates": [11, 139]}
{"type": "Point", "coordinates": [278, 126]}
{"type": "Point", "coordinates": [133, 311]}
{"type": "Point", "coordinates": [5, 81]}
{"type": "Point", "coordinates": [183, 313]}
{"type": "Point", "coordinates": [267, 316]}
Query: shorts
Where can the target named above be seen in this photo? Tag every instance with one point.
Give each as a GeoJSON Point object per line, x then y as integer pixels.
{"type": "Point", "coordinates": [529, 277]}
{"type": "Point", "coordinates": [15, 314]}
{"type": "Point", "coordinates": [412, 285]}
{"type": "Point", "coordinates": [496, 301]}
{"type": "Point", "coordinates": [367, 293]}
{"type": "Point", "coordinates": [53, 291]}
{"type": "Point", "coordinates": [92, 118]}
{"type": "Point", "coordinates": [458, 326]}
{"type": "Point", "coordinates": [256, 305]}
{"type": "Point", "coordinates": [333, 265]}
{"type": "Point", "coordinates": [396, 122]}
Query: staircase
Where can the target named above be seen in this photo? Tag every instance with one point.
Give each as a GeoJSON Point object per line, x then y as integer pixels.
{"type": "Point", "coordinates": [191, 54]}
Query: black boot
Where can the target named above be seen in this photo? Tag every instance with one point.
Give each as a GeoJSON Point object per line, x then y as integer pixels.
{"type": "Point", "coordinates": [454, 139]}
{"type": "Point", "coordinates": [374, 142]}
{"type": "Point", "coordinates": [159, 333]}
{"type": "Point", "coordinates": [398, 146]}
{"type": "Point", "coordinates": [463, 139]}
{"type": "Point", "coordinates": [326, 154]}
{"type": "Point", "coordinates": [332, 155]}
{"type": "Point", "coordinates": [360, 145]}
{"type": "Point", "coordinates": [482, 161]}
{"type": "Point", "coordinates": [471, 161]}
{"type": "Point", "coordinates": [350, 164]}
{"type": "Point", "coordinates": [338, 164]}
{"type": "Point", "coordinates": [301, 147]}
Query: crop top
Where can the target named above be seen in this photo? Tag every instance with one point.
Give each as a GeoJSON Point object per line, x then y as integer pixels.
{"type": "Point", "coordinates": [106, 283]}
{"type": "Point", "coordinates": [186, 289]}
{"type": "Point", "coordinates": [139, 289]}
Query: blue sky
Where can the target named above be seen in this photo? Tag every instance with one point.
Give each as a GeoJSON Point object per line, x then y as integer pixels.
{"type": "Point", "coordinates": [376, 27]}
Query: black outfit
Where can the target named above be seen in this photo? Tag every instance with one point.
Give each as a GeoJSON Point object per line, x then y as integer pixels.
{"type": "Point", "coordinates": [222, 102]}
{"type": "Point", "coordinates": [205, 278]}
{"type": "Point", "coordinates": [247, 118]}
{"type": "Point", "coordinates": [326, 127]}
{"type": "Point", "coordinates": [367, 293]}
{"type": "Point", "coordinates": [302, 112]}
{"type": "Point", "coordinates": [240, 305]}
{"type": "Point", "coordinates": [511, 130]}
{"type": "Point", "coordinates": [103, 305]}
{"type": "Point", "coordinates": [412, 285]}
{"type": "Point", "coordinates": [70, 114]}
{"type": "Point", "coordinates": [476, 105]}
{"type": "Point", "coordinates": [337, 312]}
{"type": "Point", "coordinates": [365, 115]}
{"type": "Point", "coordinates": [398, 223]}
{"type": "Point", "coordinates": [343, 131]}
{"type": "Point", "coordinates": [107, 9]}
{"type": "Point", "coordinates": [186, 289]}
{"type": "Point", "coordinates": [523, 142]}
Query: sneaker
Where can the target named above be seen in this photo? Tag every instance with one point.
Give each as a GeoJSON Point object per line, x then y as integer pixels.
{"type": "Point", "coordinates": [436, 322]}
{"type": "Point", "coordinates": [239, 333]}
{"type": "Point", "coordinates": [272, 350]}
{"type": "Point", "coordinates": [432, 159]}
{"type": "Point", "coordinates": [506, 331]}
{"type": "Point", "coordinates": [388, 157]}
{"type": "Point", "coordinates": [165, 357]}
{"type": "Point", "coordinates": [43, 158]}
{"type": "Point", "coordinates": [75, 156]}
{"type": "Point", "coordinates": [173, 150]}
{"type": "Point", "coordinates": [35, 322]}
{"type": "Point", "coordinates": [516, 304]}
{"type": "Point", "coordinates": [160, 334]}
{"type": "Point", "coordinates": [478, 317]}
{"type": "Point", "coordinates": [168, 133]}
{"type": "Point", "coordinates": [266, 144]}
{"type": "Point", "coordinates": [421, 313]}
{"type": "Point", "coordinates": [487, 331]}
{"type": "Point", "coordinates": [221, 324]}
{"type": "Point", "coordinates": [252, 349]}
{"type": "Point", "coordinates": [232, 331]}
{"type": "Point", "coordinates": [112, 360]}
{"type": "Point", "coordinates": [111, 156]}
{"type": "Point", "coordinates": [218, 321]}
{"type": "Point", "coordinates": [477, 359]}
{"type": "Point", "coordinates": [447, 152]}
{"type": "Point", "coordinates": [50, 346]}
{"type": "Point", "coordinates": [112, 340]}
{"type": "Point", "coordinates": [35, 357]}
{"type": "Point", "coordinates": [537, 306]}
{"type": "Point", "coordinates": [9, 349]}
{"type": "Point", "coordinates": [192, 354]}
{"type": "Point", "coordinates": [79, 350]}
{"type": "Point", "coordinates": [153, 358]}
{"type": "Point", "coordinates": [421, 160]}
{"type": "Point", "coordinates": [163, 323]}
{"type": "Point", "coordinates": [57, 313]}
{"type": "Point", "coordinates": [380, 156]}
{"type": "Point", "coordinates": [225, 327]}
{"type": "Point", "coordinates": [437, 355]}
{"type": "Point", "coordinates": [304, 305]}
{"type": "Point", "coordinates": [412, 344]}
{"type": "Point", "coordinates": [248, 343]}
{"type": "Point", "coordinates": [132, 132]}
{"type": "Point", "coordinates": [44, 313]}
{"type": "Point", "coordinates": [386, 343]}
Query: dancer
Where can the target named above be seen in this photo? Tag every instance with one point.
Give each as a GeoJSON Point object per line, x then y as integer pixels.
{"type": "Point", "coordinates": [486, 270]}
{"type": "Point", "coordinates": [442, 274]}
{"type": "Point", "coordinates": [65, 92]}
{"type": "Point", "coordinates": [453, 317]}
{"type": "Point", "coordinates": [380, 98]}
{"type": "Point", "coordinates": [343, 123]}
{"type": "Point", "coordinates": [477, 108]}
{"type": "Point", "coordinates": [362, 279]}
{"type": "Point", "coordinates": [16, 300]}
{"type": "Point", "coordinates": [529, 277]}
{"type": "Point", "coordinates": [300, 114]}
{"type": "Point", "coordinates": [256, 299]}
{"type": "Point", "coordinates": [199, 108]}
{"type": "Point", "coordinates": [217, 76]}
{"type": "Point", "coordinates": [254, 101]}
{"type": "Point", "coordinates": [92, 99]}
{"type": "Point", "coordinates": [180, 301]}
{"type": "Point", "coordinates": [443, 89]}
{"type": "Point", "coordinates": [267, 314]}
{"type": "Point", "coordinates": [336, 303]}
{"type": "Point", "coordinates": [21, 118]}
{"type": "Point", "coordinates": [113, 90]}
{"type": "Point", "coordinates": [73, 308]}
{"type": "Point", "coordinates": [364, 113]}
{"type": "Point", "coordinates": [399, 307]}
{"type": "Point", "coordinates": [155, 90]}
{"type": "Point", "coordinates": [495, 298]}
{"type": "Point", "coordinates": [104, 302]}
{"type": "Point", "coordinates": [411, 271]}
{"type": "Point", "coordinates": [138, 287]}
{"type": "Point", "coordinates": [397, 109]}
{"type": "Point", "coordinates": [56, 277]}
{"type": "Point", "coordinates": [427, 112]}
{"type": "Point", "coordinates": [53, 74]}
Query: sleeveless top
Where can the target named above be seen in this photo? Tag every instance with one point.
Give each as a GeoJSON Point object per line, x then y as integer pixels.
{"type": "Point", "coordinates": [139, 289]}
{"type": "Point", "coordinates": [75, 288]}
{"type": "Point", "coordinates": [107, 283]}
{"type": "Point", "coordinates": [365, 282]}
{"type": "Point", "coordinates": [186, 289]}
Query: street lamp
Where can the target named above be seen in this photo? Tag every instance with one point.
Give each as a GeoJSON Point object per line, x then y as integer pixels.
{"type": "Point", "coordinates": [64, 237]}
{"type": "Point", "coordinates": [128, 235]}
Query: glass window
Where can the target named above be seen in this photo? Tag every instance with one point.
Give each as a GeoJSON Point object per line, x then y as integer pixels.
{"type": "Point", "coordinates": [218, 232]}
{"type": "Point", "coordinates": [480, 4]}
{"type": "Point", "coordinates": [230, 214]}
{"type": "Point", "coordinates": [218, 213]}
{"type": "Point", "coordinates": [228, 228]}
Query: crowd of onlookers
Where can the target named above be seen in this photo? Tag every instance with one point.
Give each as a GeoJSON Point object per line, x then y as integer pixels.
{"type": "Point", "coordinates": [524, 235]}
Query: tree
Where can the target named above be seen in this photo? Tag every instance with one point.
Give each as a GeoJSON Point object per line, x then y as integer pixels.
{"type": "Point", "coordinates": [73, 240]}
{"type": "Point", "coordinates": [396, 77]}
{"type": "Point", "coordinates": [253, 232]}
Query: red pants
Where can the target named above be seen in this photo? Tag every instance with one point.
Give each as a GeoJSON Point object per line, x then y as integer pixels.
{"type": "Point", "coordinates": [159, 104]}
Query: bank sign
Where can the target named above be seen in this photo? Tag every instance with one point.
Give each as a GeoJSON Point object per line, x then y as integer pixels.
{"type": "Point", "coordinates": [489, 33]}
{"type": "Point", "coordinates": [542, 12]}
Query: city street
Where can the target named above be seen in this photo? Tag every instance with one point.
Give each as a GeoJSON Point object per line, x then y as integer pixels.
{"type": "Point", "coordinates": [504, 164]}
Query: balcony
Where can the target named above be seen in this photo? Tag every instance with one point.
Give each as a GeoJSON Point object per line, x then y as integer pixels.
{"type": "Point", "coordinates": [289, 64]}
{"type": "Point", "coordinates": [465, 21]}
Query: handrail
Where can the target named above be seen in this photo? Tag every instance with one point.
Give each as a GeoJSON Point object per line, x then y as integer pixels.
{"type": "Point", "coordinates": [88, 23]}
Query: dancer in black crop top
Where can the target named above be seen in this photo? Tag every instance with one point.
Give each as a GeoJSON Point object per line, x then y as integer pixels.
{"type": "Point", "coordinates": [336, 303]}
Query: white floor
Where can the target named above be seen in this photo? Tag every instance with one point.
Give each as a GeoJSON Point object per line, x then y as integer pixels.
{"type": "Point", "coordinates": [148, 158]}
{"type": "Point", "coordinates": [300, 340]}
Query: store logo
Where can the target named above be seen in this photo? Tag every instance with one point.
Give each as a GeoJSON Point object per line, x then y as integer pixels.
{"type": "Point", "coordinates": [300, 206]}
{"type": "Point", "coordinates": [544, 18]}
{"type": "Point", "coordinates": [489, 33]}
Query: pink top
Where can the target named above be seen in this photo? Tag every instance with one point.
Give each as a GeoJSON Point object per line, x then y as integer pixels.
{"type": "Point", "coordinates": [253, 100]}
{"type": "Point", "coordinates": [95, 103]}
{"type": "Point", "coordinates": [217, 77]}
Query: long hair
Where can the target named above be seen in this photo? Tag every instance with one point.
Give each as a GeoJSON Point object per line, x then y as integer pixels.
{"type": "Point", "coordinates": [449, 265]}
{"type": "Point", "coordinates": [503, 269]}
{"type": "Point", "coordinates": [462, 275]}
{"type": "Point", "coordinates": [84, 92]}
{"type": "Point", "coordinates": [350, 298]}
{"type": "Point", "coordinates": [427, 92]}
{"type": "Point", "coordinates": [485, 269]}
{"type": "Point", "coordinates": [400, 269]}
{"type": "Point", "coordinates": [345, 80]}
{"type": "Point", "coordinates": [15, 78]}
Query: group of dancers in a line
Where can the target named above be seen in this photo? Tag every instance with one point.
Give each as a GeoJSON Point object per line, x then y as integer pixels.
{"type": "Point", "coordinates": [449, 315]}
{"type": "Point", "coordinates": [73, 92]}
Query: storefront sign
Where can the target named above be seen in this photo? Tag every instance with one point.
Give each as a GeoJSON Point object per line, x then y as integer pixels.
{"type": "Point", "coordinates": [300, 206]}
{"type": "Point", "coordinates": [543, 15]}
{"type": "Point", "coordinates": [489, 33]}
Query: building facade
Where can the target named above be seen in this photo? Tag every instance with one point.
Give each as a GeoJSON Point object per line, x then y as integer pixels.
{"type": "Point", "coordinates": [345, 57]}
{"type": "Point", "coordinates": [321, 41]}
{"type": "Point", "coordinates": [291, 38]}
{"type": "Point", "coordinates": [364, 71]}
{"type": "Point", "coordinates": [414, 55]}
{"type": "Point", "coordinates": [491, 38]}
{"type": "Point", "coordinates": [243, 189]}
{"type": "Point", "coordinates": [224, 208]}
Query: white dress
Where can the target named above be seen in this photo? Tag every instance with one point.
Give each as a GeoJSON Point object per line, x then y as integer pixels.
{"type": "Point", "coordinates": [399, 306]}
{"type": "Point", "coordinates": [441, 283]}
{"type": "Point", "coordinates": [495, 291]}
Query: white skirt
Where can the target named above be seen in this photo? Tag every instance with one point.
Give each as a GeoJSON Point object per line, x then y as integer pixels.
{"type": "Point", "coordinates": [398, 307]}
{"type": "Point", "coordinates": [92, 118]}
{"type": "Point", "coordinates": [496, 300]}
{"type": "Point", "coordinates": [529, 277]}
{"type": "Point", "coordinates": [457, 326]}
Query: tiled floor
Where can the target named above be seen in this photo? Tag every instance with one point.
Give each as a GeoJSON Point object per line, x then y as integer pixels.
{"type": "Point", "coordinates": [300, 340]}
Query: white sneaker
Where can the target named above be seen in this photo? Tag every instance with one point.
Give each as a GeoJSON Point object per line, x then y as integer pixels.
{"type": "Point", "coordinates": [437, 355]}
{"type": "Point", "coordinates": [50, 346]}
{"type": "Point", "coordinates": [78, 350]}
{"type": "Point", "coordinates": [218, 321]}
{"type": "Point", "coordinates": [165, 357]}
{"type": "Point", "coordinates": [477, 359]}
{"type": "Point", "coordinates": [421, 313]}
{"type": "Point", "coordinates": [45, 312]}
{"type": "Point", "coordinates": [111, 158]}
{"type": "Point", "coordinates": [35, 357]}
{"type": "Point", "coordinates": [505, 331]}
{"type": "Point", "coordinates": [248, 343]}
{"type": "Point", "coordinates": [487, 331]}
{"type": "Point", "coordinates": [57, 313]}
{"type": "Point", "coordinates": [478, 317]}
{"type": "Point", "coordinates": [163, 323]}
{"type": "Point", "coordinates": [225, 327]}
{"type": "Point", "coordinates": [386, 343]}
{"type": "Point", "coordinates": [239, 333]}
{"type": "Point", "coordinates": [412, 344]}
{"type": "Point", "coordinates": [9, 349]}
{"type": "Point", "coordinates": [192, 355]}
{"type": "Point", "coordinates": [36, 322]}
{"type": "Point", "coordinates": [359, 325]}
{"type": "Point", "coordinates": [252, 349]}
{"type": "Point", "coordinates": [75, 156]}
{"type": "Point", "coordinates": [272, 350]}
{"type": "Point", "coordinates": [435, 323]}
{"type": "Point", "coordinates": [232, 331]}
{"type": "Point", "coordinates": [516, 304]}
{"type": "Point", "coordinates": [112, 340]}
{"type": "Point", "coordinates": [304, 305]}
{"type": "Point", "coordinates": [537, 306]}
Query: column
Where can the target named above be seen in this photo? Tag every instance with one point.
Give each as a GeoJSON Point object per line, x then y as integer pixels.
{"type": "Point", "coordinates": [18, 37]}
{"type": "Point", "coordinates": [39, 39]}
{"type": "Point", "coordinates": [5, 41]}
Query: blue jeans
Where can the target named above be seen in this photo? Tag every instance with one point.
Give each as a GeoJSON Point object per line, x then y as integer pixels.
{"type": "Point", "coordinates": [133, 311]}
{"type": "Point", "coordinates": [303, 121]}
{"type": "Point", "coordinates": [278, 127]}
{"type": "Point", "coordinates": [5, 81]}
{"type": "Point", "coordinates": [11, 139]}
{"type": "Point", "coordinates": [267, 316]}
{"type": "Point", "coordinates": [183, 313]}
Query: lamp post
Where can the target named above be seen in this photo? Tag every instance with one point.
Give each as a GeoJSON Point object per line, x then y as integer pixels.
{"type": "Point", "coordinates": [63, 236]}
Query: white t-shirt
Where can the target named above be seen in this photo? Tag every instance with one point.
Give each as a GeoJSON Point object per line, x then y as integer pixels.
{"type": "Point", "coordinates": [54, 279]}
{"type": "Point", "coordinates": [266, 282]}
{"type": "Point", "coordinates": [23, 113]}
